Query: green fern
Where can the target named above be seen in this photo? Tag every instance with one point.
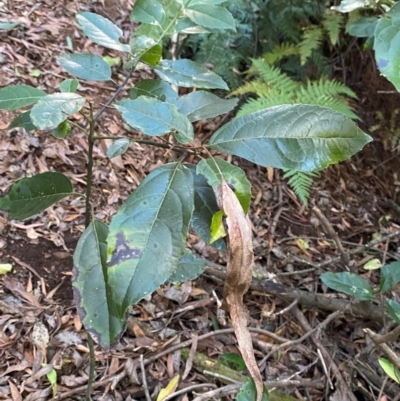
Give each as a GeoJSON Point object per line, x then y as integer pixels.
{"type": "Point", "coordinates": [332, 23]}
{"type": "Point", "coordinates": [312, 39]}
{"type": "Point", "coordinates": [301, 183]}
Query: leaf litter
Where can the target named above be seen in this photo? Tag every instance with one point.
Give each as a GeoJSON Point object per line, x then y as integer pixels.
{"type": "Point", "coordinates": [38, 321]}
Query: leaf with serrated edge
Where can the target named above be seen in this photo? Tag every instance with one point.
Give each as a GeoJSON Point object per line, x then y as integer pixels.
{"type": "Point", "coordinates": [189, 74]}
{"type": "Point", "coordinates": [387, 45]}
{"type": "Point", "coordinates": [239, 273]}
{"type": "Point", "coordinates": [147, 236]}
{"type": "Point", "coordinates": [298, 137]}
{"type": "Point", "coordinates": [101, 31]}
{"type": "Point", "coordinates": [155, 118]}
{"type": "Point", "coordinates": [32, 195]}
{"type": "Point", "coordinates": [200, 105]}
{"type": "Point", "coordinates": [14, 97]}
{"type": "Point", "coordinates": [190, 267]}
{"type": "Point", "coordinates": [52, 110]}
{"type": "Point", "coordinates": [85, 66]}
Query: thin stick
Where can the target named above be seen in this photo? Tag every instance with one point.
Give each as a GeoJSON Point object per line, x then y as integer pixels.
{"type": "Point", "coordinates": [390, 354]}
{"type": "Point", "coordinates": [188, 389]}
{"type": "Point", "coordinates": [144, 381]}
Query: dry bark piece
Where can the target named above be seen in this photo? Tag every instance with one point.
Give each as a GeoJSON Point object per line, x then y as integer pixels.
{"type": "Point", "coordinates": [239, 273]}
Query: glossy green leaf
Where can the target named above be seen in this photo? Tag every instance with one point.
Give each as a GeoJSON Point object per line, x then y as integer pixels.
{"type": "Point", "coordinates": [298, 137]}
{"type": "Point", "coordinates": [154, 88]}
{"type": "Point", "coordinates": [8, 25]}
{"type": "Point", "coordinates": [152, 56]}
{"type": "Point", "coordinates": [32, 195]}
{"type": "Point", "coordinates": [390, 370]}
{"type": "Point", "coordinates": [52, 110]}
{"type": "Point", "coordinates": [211, 17]}
{"type": "Point", "coordinates": [154, 117]}
{"type": "Point", "coordinates": [62, 131]}
{"type": "Point", "coordinates": [189, 74]}
{"type": "Point", "coordinates": [92, 293]}
{"type": "Point", "coordinates": [189, 268]}
{"type": "Point", "coordinates": [393, 309]}
{"type": "Point", "coordinates": [373, 264]}
{"type": "Point", "coordinates": [205, 206]}
{"type": "Point", "coordinates": [148, 12]}
{"type": "Point", "coordinates": [23, 121]}
{"type": "Point", "coordinates": [363, 27]}
{"type": "Point", "coordinates": [387, 45]}
{"type": "Point", "coordinates": [390, 276]}
{"type": "Point", "coordinates": [233, 361]}
{"type": "Point", "coordinates": [347, 6]}
{"type": "Point", "coordinates": [217, 226]}
{"type": "Point", "coordinates": [200, 105]}
{"type": "Point", "coordinates": [248, 392]}
{"type": "Point", "coordinates": [202, 2]}
{"type": "Point", "coordinates": [215, 170]}
{"type": "Point", "coordinates": [118, 147]}
{"type": "Point", "coordinates": [14, 97]}
{"type": "Point", "coordinates": [69, 85]}
{"type": "Point", "coordinates": [85, 66]}
{"type": "Point", "coordinates": [350, 284]}
{"type": "Point", "coordinates": [148, 234]}
{"type": "Point", "coordinates": [101, 31]}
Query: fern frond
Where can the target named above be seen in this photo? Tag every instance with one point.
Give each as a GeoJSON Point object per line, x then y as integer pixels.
{"type": "Point", "coordinates": [312, 39]}
{"type": "Point", "coordinates": [263, 102]}
{"type": "Point", "coordinates": [280, 52]}
{"type": "Point", "coordinates": [326, 87]}
{"type": "Point", "coordinates": [332, 23]}
{"type": "Point", "coordinates": [256, 86]}
{"type": "Point", "coordinates": [301, 183]}
{"type": "Point", "coordinates": [273, 76]}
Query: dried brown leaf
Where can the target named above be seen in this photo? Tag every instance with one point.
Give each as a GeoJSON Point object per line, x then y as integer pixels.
{"type": "Point", "coordinates": [239, 273]}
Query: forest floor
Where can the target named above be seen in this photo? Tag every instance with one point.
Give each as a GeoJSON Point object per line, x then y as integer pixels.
{"type": "Point", "coordinates": [181, 329]}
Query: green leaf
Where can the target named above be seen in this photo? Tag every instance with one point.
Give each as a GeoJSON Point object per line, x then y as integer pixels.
{"type": "Point", "coordinates": [32, 195]}
{"type": "Point", "coordinates": [233, 361]}
{"type": "Point", "coordinates": [390, 370]}
{"type": "Point", "coordinates": [35, 73]}
{"type": "Point", "coordinates": [8, 25]}
{"type": "Point", "coordinates": [118, 147]}
{"type": "Point", "coordinates": [387, 45]}
{"type": "Point", "coordinates": [363, 27]}
{"type": "Point", "coordinates": [154, 117]}
{"type": "Point", "coordinates": [154, 88]}
{"type": "Point", "coordinates": [148, 234]}
{"type": "Point", "coordinates": [148, 12]}
{"type": "Point", "coordinates": [92, 293]}
{"type": "Point", "coordinates": [233, 175]}
{"type": "Point", "coordinates": [152, 56]}
{"type": "Point", "coordinates": [298, 137]}
{"type": "Point", "coordinates": [217, 226]}
{"type": "Point", "coordinates": [62, 131]}
{"type": "Point", "coordinates": [202, 2]}
{"type": "Point", "coordinates": [248, 392]}
{"type": "Point", "coordinates": [187, 26]}
{"type": "Point", "coordinates": [211, 17]}
{"type": "Point", "coordinates": [23, 121]}
{"type": "Point", "coordinates": [189, 74]}
{"type": "Point", "coordinates": [347, 6]}
{"type": "Point", "coordinates": [52, 110]}
{"type": "Point", "coordinates": [86, 66]}
{"type": "Point", "coordinates": [205, 206]}
{"type": "Point", "coordinates": [393, 309]}
{"type": "Point", "coordinates": [390, 276]}
{"type": "Point", "coordinates": [349, 284]}
{"type": "Point", "coordinates": [112, 61]}
{"type": "Point", "coordinates": [373, 264]}
{"type": "Point", "coordinates": [69, 85]}
{"type": "Point", "coordinates": [200, 105]}
{"type": "Point", "coordinates": [190, 267]}
{"type": "Point", "coordinates": [101, 31]}
{"type": "Point", "coordinates": [14, 97]}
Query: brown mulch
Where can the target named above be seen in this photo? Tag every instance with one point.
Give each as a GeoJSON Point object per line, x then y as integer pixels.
{"type": "Point", "coordinates": [38, 320]}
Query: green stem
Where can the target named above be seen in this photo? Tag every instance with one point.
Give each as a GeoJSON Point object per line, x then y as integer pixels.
{"type": "Point", "coordinates": [92, 362]}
